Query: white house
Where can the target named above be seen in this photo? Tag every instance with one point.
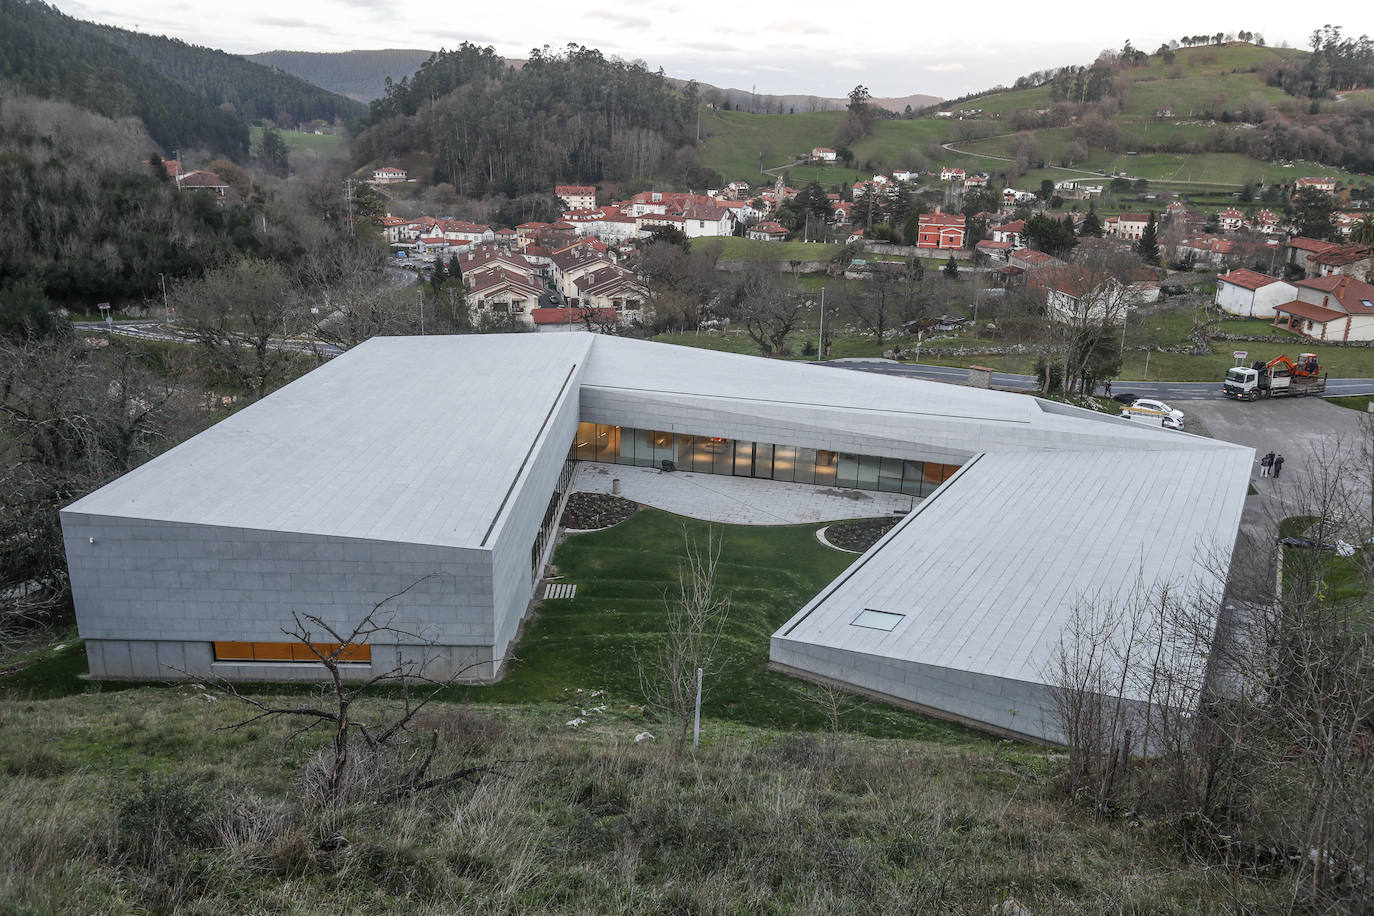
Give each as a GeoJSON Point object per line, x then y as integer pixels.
{"type": "Point", "coordinates": [576, 196]}
{"type": "Point", "coordinates": [388, 174]}
{"type": "Point", "coordinates": [1251, 294]}
{"type": "Point", "coordinates": [823, 154]}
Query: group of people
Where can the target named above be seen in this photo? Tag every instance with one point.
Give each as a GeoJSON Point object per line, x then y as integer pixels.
{"type": "Point", "coordinates": [1271, 465]}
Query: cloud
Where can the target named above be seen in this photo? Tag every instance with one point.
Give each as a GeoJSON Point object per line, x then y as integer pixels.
{"type": "Point", "coordinates": [953, 67]}
{"type": "Point", "coordinates": [774, 69]}
{"type": "Point", "coordinates": [282, 22]}
{"type": "Point", "coordinates": [848, 65]}
{"type": "Point", "coordinates": [637, 23]}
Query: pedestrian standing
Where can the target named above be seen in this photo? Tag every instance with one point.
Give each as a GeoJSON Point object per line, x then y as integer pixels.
{"type": "Point", "coordinates": [1266, 463]}
{"type": "Point", "coordinates": [1278, 466]}
{"type": "Point", "coordinates": [1107, 387]}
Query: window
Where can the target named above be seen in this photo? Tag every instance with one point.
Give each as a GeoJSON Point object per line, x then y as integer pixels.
{"type": "Point", "coordinates": [287, 652]}
{"type": "Point", "coordinates": [877, 620]}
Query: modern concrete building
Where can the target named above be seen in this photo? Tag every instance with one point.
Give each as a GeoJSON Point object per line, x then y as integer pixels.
{"type": "Point", "coordinates": [434, 469]}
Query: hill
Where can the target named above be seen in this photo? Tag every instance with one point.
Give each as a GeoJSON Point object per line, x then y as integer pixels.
{"type": "Point", "coordinates": [492, 128]}
{"type": "Point", "coordinates": [1219, 116]}
{"type": "Point", "coordinates": [754, 103]}
{"type": "Point", "coordinates": [52, 55]}
{"type": "Point", "coordinates": [254, 91]}
{"type": "Point", "coordinates": [359, 75]}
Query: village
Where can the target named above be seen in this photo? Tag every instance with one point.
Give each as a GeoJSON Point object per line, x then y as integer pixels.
{"type": "Point", "coordinates": [571, 273]}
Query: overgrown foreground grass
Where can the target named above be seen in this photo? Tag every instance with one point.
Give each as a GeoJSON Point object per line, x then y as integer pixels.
{"type": "Point", "coordinates": [143, 801]}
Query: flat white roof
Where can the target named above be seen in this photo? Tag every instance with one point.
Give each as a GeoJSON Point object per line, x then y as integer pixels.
{"type": "Point", "coordinates": [987, 573]}
{"type": "Point", "coordinates": [410, 439]}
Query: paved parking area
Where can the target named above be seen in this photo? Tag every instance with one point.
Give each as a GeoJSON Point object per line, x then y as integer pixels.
{"type": "Point", "coordinates": [736, 500]}
{"type": "Point", "coordinates": [1308, 432]}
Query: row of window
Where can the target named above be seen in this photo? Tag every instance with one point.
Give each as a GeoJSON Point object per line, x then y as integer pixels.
{"type": "Point", "coordinates": [765, 460]}
{"type": "Point", "coordinates": [288, 652]}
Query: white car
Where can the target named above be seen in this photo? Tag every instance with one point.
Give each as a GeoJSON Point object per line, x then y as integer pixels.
{"type": "Point", "coordinates": [1150, 410]}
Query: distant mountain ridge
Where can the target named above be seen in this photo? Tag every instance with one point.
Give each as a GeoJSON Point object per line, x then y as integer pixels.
{"type": "Point", "coordinates": [254, 91]}
{"type": "Point", "coordinates": [359, 75]}
{"type": "Point", "coordinates": [362, 75]}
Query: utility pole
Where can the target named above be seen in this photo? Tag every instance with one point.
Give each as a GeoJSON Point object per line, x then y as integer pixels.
{"type": "Point", "coordinates": [348, 199]}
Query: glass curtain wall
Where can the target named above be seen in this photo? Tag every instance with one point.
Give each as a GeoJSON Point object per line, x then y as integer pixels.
{"type": "Point", "coordinates": [764, 460]}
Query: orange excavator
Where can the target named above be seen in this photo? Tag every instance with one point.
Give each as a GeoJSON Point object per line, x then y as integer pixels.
{"type": "Point", "coordinates": [1306, 366]}
{"type": "Point", "coordinates": [1280, 377]}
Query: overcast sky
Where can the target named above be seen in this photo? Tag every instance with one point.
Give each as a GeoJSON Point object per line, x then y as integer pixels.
{"type": "Point", "coordinates": [805, 46]}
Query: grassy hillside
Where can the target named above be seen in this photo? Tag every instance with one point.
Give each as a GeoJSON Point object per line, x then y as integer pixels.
{"type": "Point", "coordinates": [326, 146]}
{"type": "Point", "coordinates": [145, 801]}
{"type": "Point", "coordinates": [1197, 84]}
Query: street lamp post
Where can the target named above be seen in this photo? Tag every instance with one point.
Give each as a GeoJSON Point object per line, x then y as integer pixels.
{"type": "Point", "coordinates": [167, 311]}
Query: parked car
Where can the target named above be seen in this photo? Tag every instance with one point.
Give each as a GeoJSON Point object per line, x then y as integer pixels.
{"type": "Point", "coordinates": [1306, 544]}
{"type": "Point", "coordinates": [1148, 410]}
{"type": "Point", "coordinates": [1152, 404]}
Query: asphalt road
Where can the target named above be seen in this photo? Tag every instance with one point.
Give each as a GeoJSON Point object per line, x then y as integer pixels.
{"type": "Point", "coordinates": [1178, 391]}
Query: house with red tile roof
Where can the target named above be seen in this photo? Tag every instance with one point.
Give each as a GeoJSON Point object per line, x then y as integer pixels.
{"type": "Point", "coordinates": [1321, 184]}
{"type": "Point", "coordinates": [1230, 219]}
{"type": "Point", "coordinates": [1208, 250]}
{"type": "Point", "coordinates": [941, 231]}
{"type": "Point", "coordinates": [388, 174]}
{"type": "Point", "coordinates": [1251, 294]}
{"type": "Point", "coordinates": [994, 250]}
{"type": "Point", "coordinates": [203, 180]}
{"type": "Point", "coordinates": [1347, 260]}
{"type": "Point", "coordinates": [1334, 308]}
{"type": "Point", "coordinates": [767, 232]}
{"type": "Point", "coordinates": [1076, 296]}
{"type": "Point", "coordinates": [1012, 232]}
{"type": "Point", "coordinates": [823, 154]}
{"type": "Point", "coordinates": [1266, 221]}
{"type": "Point", "coordinates": [948, 173]}
{"type": "Point", "coordinates": [1299, 251]}
{"type": "Point", "coordinates": [502, 292]}
{"type": "Point", "coordinates": [1128, 226]}
{"type": "Point", "coordinates": [1029, 259]}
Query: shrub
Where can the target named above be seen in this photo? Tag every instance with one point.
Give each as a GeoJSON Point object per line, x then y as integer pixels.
{"type": "Point", "coordinates": [161, 818]}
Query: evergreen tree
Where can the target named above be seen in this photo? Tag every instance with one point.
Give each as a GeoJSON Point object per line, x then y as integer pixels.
{"type": "Point", "coordinates": [1148, 246]}
{"type": "Point", "coordinates": [1092, 224]}
{"type": "Point", "coordinates": [951, 268]}
{"type": "Point", "coordinates": [273, 152]}
{"type": "Point", "coordinates": [157, 167]}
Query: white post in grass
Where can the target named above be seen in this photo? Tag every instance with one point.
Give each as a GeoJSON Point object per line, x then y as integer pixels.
{"type": "Point", "coordinates": [696, 717]}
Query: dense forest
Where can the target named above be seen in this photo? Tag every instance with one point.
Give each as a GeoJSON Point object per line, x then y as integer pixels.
{"type": "Point", "coordinates": [88, 222]}
{"type": "Point", "coordinates": [574, 116]}
{"type": "Point", "coordinates": [253, 90]}
{"type": "Point", "coordinates": [49, 54]}
{"type": "Point", "coordinates": [360, 75]}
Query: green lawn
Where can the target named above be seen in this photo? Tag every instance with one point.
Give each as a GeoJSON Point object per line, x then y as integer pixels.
{"type": "Point", "coordinates": [737, 249]}
{"type": "Point", "coordinates": [1360, 403]}
{"type": "Point", "coordinates": [592, 641]}
{"type": "Point", "coordinates": [327, 146]}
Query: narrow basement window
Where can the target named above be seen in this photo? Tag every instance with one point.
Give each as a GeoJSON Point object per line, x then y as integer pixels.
{"type": "Point", "coordinates": [877, 620]}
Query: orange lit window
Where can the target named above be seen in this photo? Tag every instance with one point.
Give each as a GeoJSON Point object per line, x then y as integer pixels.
{"type": "Point", "coordinates": [287, 652]}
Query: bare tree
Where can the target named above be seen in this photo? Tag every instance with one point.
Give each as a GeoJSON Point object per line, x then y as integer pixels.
{"type": "Point", "coordinates": [767, 313]}
{"type": "Point", "coordinates": [694, 616]}
{"type": "Point", "coordinates": [237, 314]}
{"type": "Point", "coordinates": [74, 414]}
{"type": "Point", "coordinates": [333, 706]}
